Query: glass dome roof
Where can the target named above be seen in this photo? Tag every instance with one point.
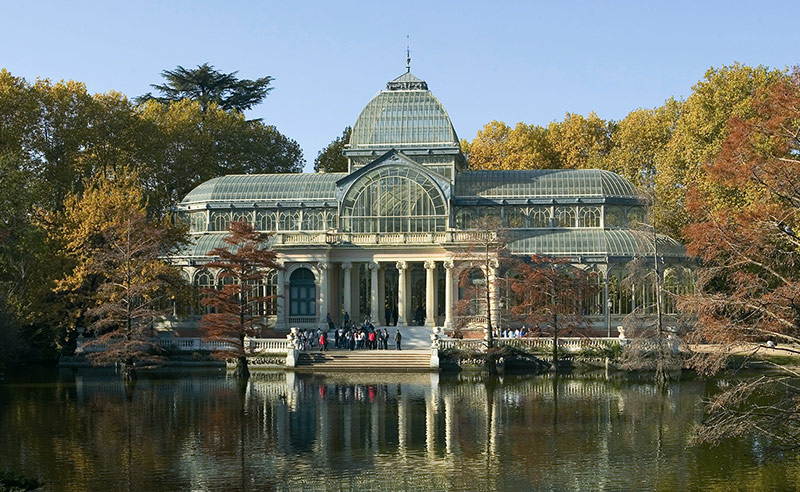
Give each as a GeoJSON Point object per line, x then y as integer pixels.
{"type": "Point", "coordinates": [406, 114]}
{"type": "Point", "coordinates": [269, 187]}
{"type": "Point", "coordinates": [543, 184]}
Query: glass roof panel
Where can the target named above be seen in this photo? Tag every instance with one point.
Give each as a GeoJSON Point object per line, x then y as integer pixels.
{"type": "Point", "coordinates": [266, 187]}
{"type": "Point", "coordinates": [591, 242]}
{"type": "Point", "coordinates": [547, 183]}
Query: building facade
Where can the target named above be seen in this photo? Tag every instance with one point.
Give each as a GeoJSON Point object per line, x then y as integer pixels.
{"type": "Point", "coordinates": [387, 240]}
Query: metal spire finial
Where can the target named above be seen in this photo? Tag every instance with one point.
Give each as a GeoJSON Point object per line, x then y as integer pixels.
{"type": "Point", "coordinates": [408, 56]}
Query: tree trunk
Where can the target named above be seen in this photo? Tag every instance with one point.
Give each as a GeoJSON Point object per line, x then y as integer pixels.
{"type": "Point", "coordinates": [555, 342]}
{"type": "Point", "coordinates": [241, 371]}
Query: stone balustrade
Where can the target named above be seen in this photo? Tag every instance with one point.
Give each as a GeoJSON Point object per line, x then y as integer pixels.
{"type": "Point", "coordinates": [361, 239]}
{"type": "Point", "coordinates": [567, 344]}
{"type": "Point", "coordinates": [193, 344]}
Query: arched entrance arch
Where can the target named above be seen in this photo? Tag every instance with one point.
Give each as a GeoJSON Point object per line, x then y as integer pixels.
{"type": "Point", "coordinates": [302, 293]}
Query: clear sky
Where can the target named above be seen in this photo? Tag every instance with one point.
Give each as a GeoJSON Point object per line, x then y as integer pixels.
{"type": "Point", "coordinates": [510, 61]}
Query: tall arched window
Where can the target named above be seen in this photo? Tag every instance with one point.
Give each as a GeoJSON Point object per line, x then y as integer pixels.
{"type": "Point", "coordinates": [565, 216]}
{"type": "Point", "coordinates": [241, 216]}
{"type": "Point", "coordinates": [302, 293]}
{"type": "Point", "coordinates": [220, 220]}
{"type": "Point", "coordinates": [589, 217]}
{"type": "Point", "coordinates": [614, 217]}
{"type": "Point", "coordinates": [394, 199]}
{"type": "Point", "coordinates": [265, 221]}
{"type": "Point", "coordinates": [202, 280]}
{"type": "Point", "coordinates": [312, 220]}
{"type": "Point", "coordinates": [636, 215]}
{"type": "Point", "coordinates": [539, 217]}
{"type": "Point", "coordinates": [197, 221]}
{"type": "Point", "coordinates": [514, 217]}
{"type": "Point", "coordinates": [465, 218]}
{"type": "Point", "coordinates": [290, 220]}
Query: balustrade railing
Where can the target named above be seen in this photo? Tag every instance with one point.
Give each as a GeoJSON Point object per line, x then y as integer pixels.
{"type": "Point", "coordinates": [567, 344]}
{"type": "Point", "coordinates": [192, 344]}
{"type": "Point", "coordinates": [383, 238]}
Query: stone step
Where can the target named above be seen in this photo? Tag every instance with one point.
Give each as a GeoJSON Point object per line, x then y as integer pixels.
{"type": "Point", "coordinates": [374, 360]}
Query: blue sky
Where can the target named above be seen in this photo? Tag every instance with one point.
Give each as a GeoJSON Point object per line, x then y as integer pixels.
{"type": "Point", "coordinates": [510, 61]}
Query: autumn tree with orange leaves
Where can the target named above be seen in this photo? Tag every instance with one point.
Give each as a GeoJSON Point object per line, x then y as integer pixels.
{"type": "Point", "coordinates": [244, 263]}
{"type": "Point", "coordinates": [746, 231]}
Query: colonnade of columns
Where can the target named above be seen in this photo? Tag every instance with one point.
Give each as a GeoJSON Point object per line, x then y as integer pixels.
{"type": "Point", "coordinates": [348, 278]}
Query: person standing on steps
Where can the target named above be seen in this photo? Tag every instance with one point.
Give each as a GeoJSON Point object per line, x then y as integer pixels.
{"type": "Point", "coordinates": [397, 339]}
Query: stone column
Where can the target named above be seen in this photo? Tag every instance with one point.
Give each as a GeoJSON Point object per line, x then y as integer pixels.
{"type": "Point", "coordinates": [448, 295]}
{"type": "Point", "coordinates": [322, 266]}
{"type": "Point", "coordinates": [402, 266]}
{"type": "Point", "coordinates": [280, 302]}
{"type": "Point", "coordinates": [347, 277]}
{"type": "Point", "coordinates": [494, 308]}
{"type": "Point", "coordinates": [430, 294]}
{"type": "Point", "coordinates": [381, 295]}
{"type": "Point", "coordinates": [373, 288]}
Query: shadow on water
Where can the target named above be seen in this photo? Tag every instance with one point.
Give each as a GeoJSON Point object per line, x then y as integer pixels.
{"type": "Point", "coordinates": [200, 430]}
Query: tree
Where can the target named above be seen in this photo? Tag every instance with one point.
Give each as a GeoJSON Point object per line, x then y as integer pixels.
{"type": "Point", "coordinates": [581, 142]}
{"type": "Point", "coordinates": [118, 279]}
{"type": "Point", "coordinates": [208, 86]}
{"type": "Point", "coordinates": [748, 288]}
{"type": "Point", "coordinates": [552, 292]}
{"type": "Point", "coordinates": [498, 146]}
{"type": "Point", "coordinates": [331, 159]}
{"type": "Point", "coordinates": [243, 265]}
{"type": "Point", "coordinates": [479, 276]}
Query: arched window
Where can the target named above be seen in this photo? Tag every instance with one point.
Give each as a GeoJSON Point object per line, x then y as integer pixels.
{"type": "Point", "coordinates": [331, 219]}
{"type": "Point", "coordinates": [614, 217]}
{"type": "Point", "coordinates": [636, 215]}
{"type": "Point", "coordinates": [241, 216]}
{"type": "Point", "coordinates": [589, 217]}
{"type": "Point", "coordinates": [394, 199]}
{"type": "Point", "coordinates": [220, 221]}
{"type": "Point", "coordinates": [312, 220]}
{"type": "Point", "coordinates": [302, 293]}
{"type": "Point", "coordinates": [565, 216]}
{"type": "Point", "coordinates": [202, 280]}
{"type": "Point", "coordinates": [465, 218]}
{"type": "Point", "coordinates": [197, 222]}
{"type": "Point", "coordinates": [290, 220]}
{"type": "Point", "coordinates": [514, 217]}
{"type": "Point", "coordinates": [539, 217]}
{"type": "Point", "coordinates": [265, 221]}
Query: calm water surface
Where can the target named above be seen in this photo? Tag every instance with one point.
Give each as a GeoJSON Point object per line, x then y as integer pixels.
{"type": "Point", "coordinates": [201, 431]}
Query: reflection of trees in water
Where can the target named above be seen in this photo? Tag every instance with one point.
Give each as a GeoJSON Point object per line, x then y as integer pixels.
{"type": "Point", "coordinates": [423, 433]}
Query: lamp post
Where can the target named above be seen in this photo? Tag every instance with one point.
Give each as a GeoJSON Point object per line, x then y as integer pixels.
{"type": "Point", "coordinates": [609, 305]}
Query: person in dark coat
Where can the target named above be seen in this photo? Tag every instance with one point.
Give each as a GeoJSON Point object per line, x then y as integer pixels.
{"type": "Point", "coordinates": [394, 316]}
{"type": "Point", "coordinates": [397, 339]}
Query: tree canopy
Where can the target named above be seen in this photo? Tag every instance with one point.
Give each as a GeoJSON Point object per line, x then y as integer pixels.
{"type": "Point", "coordinates": [331, 159]}
{"type": "Point", "coordinates": [208, 86]}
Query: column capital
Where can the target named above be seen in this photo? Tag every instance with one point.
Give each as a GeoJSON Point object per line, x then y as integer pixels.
{"type": "Point", "coordinates": [448, 264]}
{"type": "Point", "coordinates": [430, 264]}
{"type": "Point", "coordinates": [280, 264]}
{"type": "Point", "coordinates": [494, 263]}
{"type": "Point", "coordinates": [374, 265]}
{"type": "Point", "coordinates": [323, 265]}
{"type": "Point", "coordinates": [401, 265]}
{"type": "Point", "coordinates": [347, 265]}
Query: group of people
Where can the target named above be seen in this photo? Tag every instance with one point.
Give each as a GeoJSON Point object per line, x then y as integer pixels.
{"type": "Point", "coordinates": [515, 333]}
{"type": "Point", "coordinates": [349, 337]}
{"type": "Point", "coordinates": [365, 337]}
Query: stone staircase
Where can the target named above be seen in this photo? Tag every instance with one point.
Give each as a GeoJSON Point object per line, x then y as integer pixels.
{"type": "Point", "coordinates": [366, 360]}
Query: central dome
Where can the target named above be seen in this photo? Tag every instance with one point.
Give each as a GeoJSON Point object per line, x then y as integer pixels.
{"type": "Point", "coordinates": [405, 115]}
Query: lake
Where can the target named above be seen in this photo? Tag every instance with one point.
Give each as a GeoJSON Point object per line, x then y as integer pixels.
{"type": "Point", "coordinates": [200, 430]}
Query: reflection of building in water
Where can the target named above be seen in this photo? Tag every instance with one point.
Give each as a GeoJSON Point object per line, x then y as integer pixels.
{"type": "Point", "coordinates": [391, 432]}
